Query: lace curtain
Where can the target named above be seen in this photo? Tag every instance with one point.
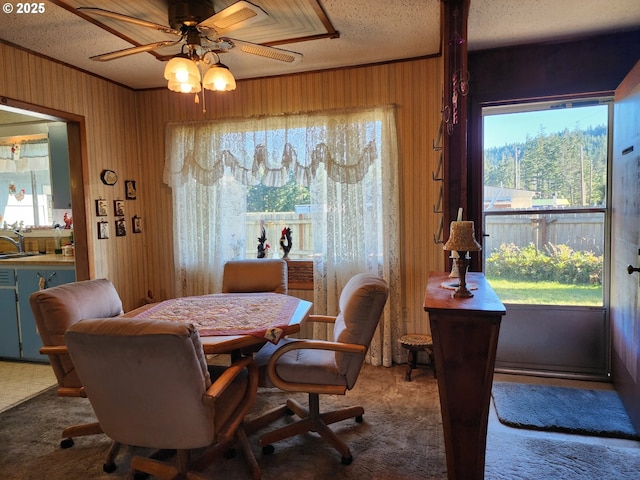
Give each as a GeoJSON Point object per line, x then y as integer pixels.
{"type": "Point", "coordinates": [24, 156]}
{"type": "Point", "coordinates": [348, 159]}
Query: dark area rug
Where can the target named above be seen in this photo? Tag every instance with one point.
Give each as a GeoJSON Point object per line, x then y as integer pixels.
{"type": "Point", "coordinates": [527, 455]}
{"type": "Point", "coordinates": [578, 411]}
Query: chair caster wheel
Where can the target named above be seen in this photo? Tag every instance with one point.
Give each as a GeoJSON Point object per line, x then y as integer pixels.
{"type": "Point", "coordinates": [109, 467]}
{"type": "Point", "coordinates": [66, 443]}
{"type": "Point", "coordinates": [268, 449]}
{"type": "Point", "coordinates": [359, 419]}
{"type": "Point", "coordinates": [231, 453]}
{"type": "Point", "coordinates": [347, 460]}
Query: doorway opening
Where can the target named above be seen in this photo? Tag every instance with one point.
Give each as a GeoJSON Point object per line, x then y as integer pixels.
{"type": "Point", "coordinates": [70, 136]}
{"type": "Point", "coordinates": [546, 225]}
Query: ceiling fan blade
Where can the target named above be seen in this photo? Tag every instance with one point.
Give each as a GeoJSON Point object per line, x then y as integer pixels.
{"type": "Point", "coordinates": [127, 18]}
{"type": "Point", "coordinates": [279, 54]}
{"type": "Point", "coordinates": [133, 50]}
{"type": "Point", "coordinates": [235, 16]}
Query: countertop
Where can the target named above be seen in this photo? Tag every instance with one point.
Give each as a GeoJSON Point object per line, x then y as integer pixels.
{"type": "Point", "coordinates": [48, 259]}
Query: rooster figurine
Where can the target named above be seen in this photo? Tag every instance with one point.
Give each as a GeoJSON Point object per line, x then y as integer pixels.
{"type": "Point", "coordinates": [286, 247]}
{"type": "Point", "coordinates": [68, 221]}
{"type": "Point", "coordinates": [20, 195]}
{"type": "Point", "coordinates": [263, 248]}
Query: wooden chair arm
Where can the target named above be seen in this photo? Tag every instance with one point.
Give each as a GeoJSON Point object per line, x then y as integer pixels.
{"type": "Point", "coordinates": [54, 350]}
{"type": "Point", "coordinates": [227, 431]}
{"type": "Point", "coordinates": [310, 345]}
{"type": "Point", "coordinates": [321, 318]}
{"type": "Point", "coordinates": [220, 384]}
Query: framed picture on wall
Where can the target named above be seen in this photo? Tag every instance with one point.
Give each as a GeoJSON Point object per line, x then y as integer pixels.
{"type": "Point", "coordinates": [130, 189]}
{"type": "Point", "coordinates": [101, 208]}
{"type": "Point", "coordinates": [118, 208]}
{"type": "Point", "coordinates": [121, 228]}
{"type": "Point", "coordinates": [136, 224]}
{"type": "Point", "coordinates": [103, 230]}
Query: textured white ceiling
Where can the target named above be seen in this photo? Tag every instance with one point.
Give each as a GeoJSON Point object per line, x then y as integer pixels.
{"type": "Point", "coordinates": [370, 31]}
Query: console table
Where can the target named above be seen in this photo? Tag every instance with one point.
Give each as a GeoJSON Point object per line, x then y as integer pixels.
{"type": "Point", "coordinates": [465, 339]}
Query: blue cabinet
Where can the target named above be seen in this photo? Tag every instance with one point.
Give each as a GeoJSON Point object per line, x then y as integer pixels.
{"type": "Point", "coordinates": [9, 335]}
{"type": "Point", "coordinates": [30, 280]}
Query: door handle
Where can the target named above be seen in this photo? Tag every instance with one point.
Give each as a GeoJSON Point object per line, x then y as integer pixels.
{"type": "Point", "coordinates": [632, 269]}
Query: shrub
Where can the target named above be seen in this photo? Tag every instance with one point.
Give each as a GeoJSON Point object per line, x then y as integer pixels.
{"type": "Point", "coordinates": [556, 263]}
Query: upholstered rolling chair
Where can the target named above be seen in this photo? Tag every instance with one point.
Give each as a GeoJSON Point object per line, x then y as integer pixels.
{"type": "Point", "coordinates": [323, 367]}
{"type": "Point", "coordinates": [255, 275]}
{"type": "Point", "coordinates": [149, 386]}
{"type": "Point", "coordinates": [57, 308]}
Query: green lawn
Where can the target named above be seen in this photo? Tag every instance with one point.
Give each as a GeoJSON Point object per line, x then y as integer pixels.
{"type": "Point", "coordinates": [546, 293]}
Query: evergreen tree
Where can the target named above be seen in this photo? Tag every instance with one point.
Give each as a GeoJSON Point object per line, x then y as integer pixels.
{"type": "Point", "coordinates": [571, 164]}
{"type": "Point", "coordinates": [261, 198]}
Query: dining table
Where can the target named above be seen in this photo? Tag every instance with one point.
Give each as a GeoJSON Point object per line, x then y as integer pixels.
{"type": "Point", "coordinates": [230, 322]}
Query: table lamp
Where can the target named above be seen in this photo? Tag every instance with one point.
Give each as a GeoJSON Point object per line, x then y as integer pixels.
{"type": "Point", "coordinates": [462, 240]}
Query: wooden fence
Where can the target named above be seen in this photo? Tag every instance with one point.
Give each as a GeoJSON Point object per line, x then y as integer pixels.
{"type": "Point", "coordinates": [580, 231]}
{"type": "Point", "coordinates": [274, 223]}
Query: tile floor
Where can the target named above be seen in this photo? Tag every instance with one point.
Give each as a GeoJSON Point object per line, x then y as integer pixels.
{"type": "Point", "coordinates": [20, 381]}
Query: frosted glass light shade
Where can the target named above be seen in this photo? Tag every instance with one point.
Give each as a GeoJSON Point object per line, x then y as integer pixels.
{"type": "Point", "coordinates": [182, 75]}
{"type": "Point", "coordinates": [183, 87]}
{"type": "Point", "coordinates": [219, 78]}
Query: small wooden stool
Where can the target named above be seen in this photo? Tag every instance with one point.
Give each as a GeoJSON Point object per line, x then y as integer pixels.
{"type": "Point", "coordinates": [415, 343]}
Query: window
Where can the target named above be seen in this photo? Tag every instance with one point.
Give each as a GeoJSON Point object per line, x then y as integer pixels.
{"type": "Point", "coordinates": [545, 202]}
{"type": "Point", "coordinates": [333, 173]}
{"type": "Point", "coordinates": [25, 182]}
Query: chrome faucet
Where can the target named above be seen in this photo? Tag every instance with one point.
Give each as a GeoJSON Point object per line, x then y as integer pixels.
{"type": "Point", "coordinates": [19, 243]}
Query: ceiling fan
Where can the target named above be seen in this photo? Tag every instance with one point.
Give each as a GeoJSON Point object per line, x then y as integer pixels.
{"type": "Point", "coordinates": [200, 30]}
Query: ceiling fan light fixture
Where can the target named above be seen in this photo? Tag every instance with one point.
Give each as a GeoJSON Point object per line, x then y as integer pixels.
{"type": "Point", "coordinates": [195, 21]}
{"type": "Point", "coordinates": [219, 78]}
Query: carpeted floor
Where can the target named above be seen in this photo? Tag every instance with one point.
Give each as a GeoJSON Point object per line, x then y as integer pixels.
{"type": "Point", "coordinates": [401, 438]}
{"type": "Point", "coordinates": [562, 409]}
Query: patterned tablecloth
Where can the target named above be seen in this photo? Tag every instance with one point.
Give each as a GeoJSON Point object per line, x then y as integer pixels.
{"type": "Point", "coordinates": [262, 315]}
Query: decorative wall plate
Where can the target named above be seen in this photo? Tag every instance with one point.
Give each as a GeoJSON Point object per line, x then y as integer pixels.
{"type": "Point", "coordinates": [109, 177]}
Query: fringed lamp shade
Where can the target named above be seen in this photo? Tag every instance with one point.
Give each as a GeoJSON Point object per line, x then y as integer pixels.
{"type": "Point", "coordinates": [461, 238]}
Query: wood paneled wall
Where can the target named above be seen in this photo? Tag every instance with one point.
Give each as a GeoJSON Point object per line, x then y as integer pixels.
{"type": "Point", "coordinates": [413, 86]}
{"type": "Point", "coordinates": [108, 140]}
{"type": "Point", "coordinates": [124, 132]}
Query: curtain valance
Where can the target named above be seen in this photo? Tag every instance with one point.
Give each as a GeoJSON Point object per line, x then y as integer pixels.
{"type": "Point", "coordinates": [268, 150]}
{"type": "Point", "coordinates": [24, 156]}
